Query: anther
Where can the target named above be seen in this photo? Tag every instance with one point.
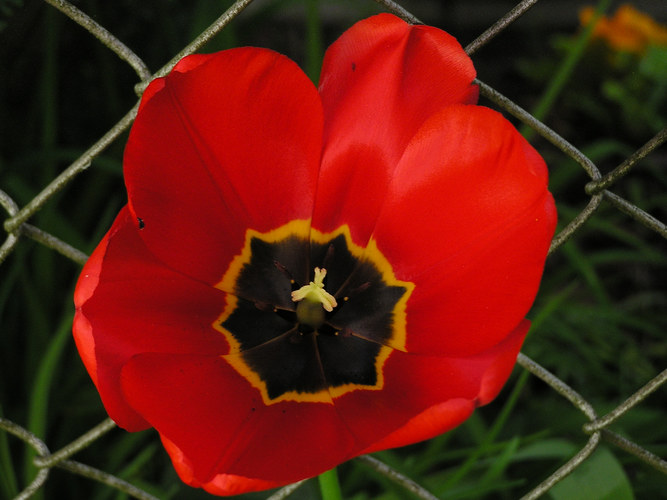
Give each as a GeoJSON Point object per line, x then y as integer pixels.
{"type": "Point", "coordinates": [284, 270]}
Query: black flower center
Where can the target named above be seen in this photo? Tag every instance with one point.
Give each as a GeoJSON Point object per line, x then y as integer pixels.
{"type": "Point", "coordinates": [288, 341]}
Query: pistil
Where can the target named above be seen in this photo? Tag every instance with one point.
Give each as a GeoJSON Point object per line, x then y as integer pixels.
{"type": "Point", "coordinates": [313, 301]}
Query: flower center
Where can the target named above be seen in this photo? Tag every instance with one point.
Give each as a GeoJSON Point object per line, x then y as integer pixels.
{"type": "Point", "coordinates": [289, 336]}
{"type": "Point", "coordinates": [313, 300]}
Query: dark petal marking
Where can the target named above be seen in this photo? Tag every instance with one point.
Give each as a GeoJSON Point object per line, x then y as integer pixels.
{"type": "Point", "coordinates": [252, 326]}
{"type": "Point", "coordinates": [287, 360]}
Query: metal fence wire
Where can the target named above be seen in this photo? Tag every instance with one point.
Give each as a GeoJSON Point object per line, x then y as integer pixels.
{"type": "Point", "coordinates": [600, 194]}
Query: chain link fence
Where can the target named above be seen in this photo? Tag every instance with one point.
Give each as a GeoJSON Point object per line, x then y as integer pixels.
{"type": "Point", "coordinates": [600, 191]}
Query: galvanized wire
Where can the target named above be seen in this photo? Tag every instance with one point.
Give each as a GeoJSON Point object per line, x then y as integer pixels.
{"type": "Point", "coordinates": [598, 188]}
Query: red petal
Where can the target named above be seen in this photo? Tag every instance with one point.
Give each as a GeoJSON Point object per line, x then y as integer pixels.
{"type": "Point", "coordinates": [219, 422]}
{"type": "Point", "coordinates": [183, 66]}
{"type": "Point", "coordinates": [432, 422]}
{"type": "Point", "coordinates": [424, 396]}
{"type": "Point", "coordinates": [221, 484]}
{"type": "Point", "coordinates": [380, 81]}
{"type": "Point", "coordinates": [220, 433]}
{"type": "Point", "coordinates": [468, 219]}
{"type": "Point", "coordinates": [226, 142]}
{"type": "Point", "coordinates": [85, 287]}
{"type": "Point", "coordinates": [128, 303]}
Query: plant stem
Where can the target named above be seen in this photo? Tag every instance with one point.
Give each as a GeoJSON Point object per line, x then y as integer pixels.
{"type": "Point", "coordinates": [314, 49]}
{"type": "Point", "coordinates": [329, 485]}
{"type": "Point", "coordinates": [565, 70]}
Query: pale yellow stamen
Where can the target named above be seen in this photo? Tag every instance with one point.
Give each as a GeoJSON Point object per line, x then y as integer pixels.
{"type": "Point", "coordinates": [315, 292]}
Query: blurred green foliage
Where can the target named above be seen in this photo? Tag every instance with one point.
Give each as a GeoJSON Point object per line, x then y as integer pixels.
{"type": "Point", "coordinates": [599, 321]}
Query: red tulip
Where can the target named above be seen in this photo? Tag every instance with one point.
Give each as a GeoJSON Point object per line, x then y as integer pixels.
{"type": "Point", "coordinates": [303, 275]}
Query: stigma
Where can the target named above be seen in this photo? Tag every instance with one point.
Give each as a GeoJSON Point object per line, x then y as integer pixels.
{"type": "Point", "coordinates": [314, 292]}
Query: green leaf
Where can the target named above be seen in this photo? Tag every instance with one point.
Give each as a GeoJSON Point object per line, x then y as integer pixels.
{"type": "Point", "coordinates": [654, 63]}
{"type": "Point", "coordinates": [601, 477]}
{"type": "Point", "coordinates": [547, 449]}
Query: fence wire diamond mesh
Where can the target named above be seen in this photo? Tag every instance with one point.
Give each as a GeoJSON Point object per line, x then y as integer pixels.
{"type": "Point", "coordinates": [599, 210]}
